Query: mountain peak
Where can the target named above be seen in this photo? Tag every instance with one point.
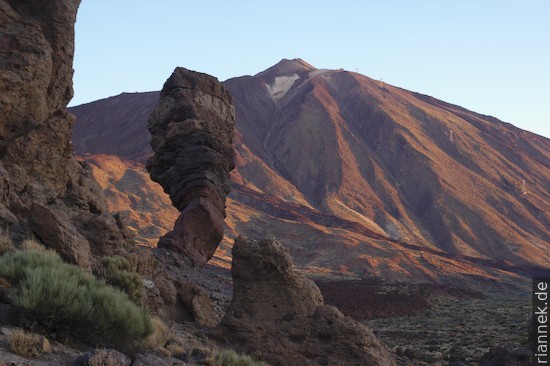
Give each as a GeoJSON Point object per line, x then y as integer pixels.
{"type": "Point", "coordinates": [286, 66]}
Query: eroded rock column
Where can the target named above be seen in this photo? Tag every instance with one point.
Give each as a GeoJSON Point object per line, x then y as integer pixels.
{"type": "Point", "coordinates": [192, 131]}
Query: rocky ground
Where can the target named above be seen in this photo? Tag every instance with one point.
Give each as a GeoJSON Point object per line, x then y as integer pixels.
{"type": "Point", "coordinates": [459, 329]}
{"type": "Point", "coordinates": [375, 298]}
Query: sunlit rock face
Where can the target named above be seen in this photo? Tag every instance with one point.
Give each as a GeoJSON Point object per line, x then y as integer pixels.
{"type": "Point", "coordinates": [192, 131]}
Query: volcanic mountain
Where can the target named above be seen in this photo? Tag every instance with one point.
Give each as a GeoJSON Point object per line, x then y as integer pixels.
{"type": "Point", "coordinates": [358, 176]}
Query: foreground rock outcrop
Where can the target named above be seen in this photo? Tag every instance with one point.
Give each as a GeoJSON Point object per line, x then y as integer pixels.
{"type": "Point", "coordinates": [192, 129]}
{"type": "Point", "coordinates": [43, 190]}
{"type": "Point", "coordinates": [279, 315]}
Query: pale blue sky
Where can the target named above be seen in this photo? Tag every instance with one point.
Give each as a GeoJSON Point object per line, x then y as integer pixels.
{"type": "Point", "coordinates": [492, 57]}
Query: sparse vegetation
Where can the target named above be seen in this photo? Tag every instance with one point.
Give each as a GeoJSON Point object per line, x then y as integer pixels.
{"type": "Point", "coordinates": [163, 340]}
{"type": "Point", "coordinates": [6, 245]}
{"type": "Point", "coordinates": [25, 344]}
{"type": "Point", "coordinates": [5, 287]}
{"type": "Point", "coordinates": [228, 357]}
{"type": "Point", "coordinates": [175, 347]}
{"type": "Point", "coordinates": [64, 299]}
{"type": "Point", "coordinates": [160, 336]}
{"type": "Point", "coordinates": [33, 244]}
{"type": "Point", "coordinates": [102, 357]}
{"type": "Point", "coordinates": [459, 329]}
{"type": "Point", "coordinates": [118, 273]}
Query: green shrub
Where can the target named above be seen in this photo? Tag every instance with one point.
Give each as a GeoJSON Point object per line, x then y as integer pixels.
{"type": "Point", "coordinates": [118, 273]}
{"type": "Point", "coordinates": [228, 357]}
{"type": "Point", "coordinates": [64, 299]}
{"type": "Point", "coordinates": [13, 266]}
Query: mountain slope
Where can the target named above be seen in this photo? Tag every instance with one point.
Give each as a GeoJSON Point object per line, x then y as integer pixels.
{"type": "Point", "coordinates": [360, 176]}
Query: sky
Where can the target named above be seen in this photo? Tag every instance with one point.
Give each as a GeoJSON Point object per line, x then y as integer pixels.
{"type": "Point", "coordinates": [492, 57]}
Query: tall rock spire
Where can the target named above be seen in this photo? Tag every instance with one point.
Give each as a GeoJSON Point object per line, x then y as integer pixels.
{"type": "Point", "coordinates": [192, 131]}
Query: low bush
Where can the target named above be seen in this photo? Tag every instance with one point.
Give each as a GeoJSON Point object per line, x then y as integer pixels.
{"type": "Point", "coordinates": [13, 266]}
{"type": "Point", "coordinates": [25, 344]}
{"type": "Point", "coordinates": [64, 299]}
{"type": "Point", "coordinates": [228, 357]}
{"type": "Point", "coordinates": [117, 272]}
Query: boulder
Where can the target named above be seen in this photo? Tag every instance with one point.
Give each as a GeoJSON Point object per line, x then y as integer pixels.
{"type": "Point", "coordinates": [192, 130]}
{"type": "Point", "coordinates": [197, 303]}
{"type": "Point", "coordinates": [279, 314]}
{"type": "Point", "coordinates": [55, 230]}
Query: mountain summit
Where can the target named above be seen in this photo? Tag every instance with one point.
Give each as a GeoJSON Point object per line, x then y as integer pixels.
{"type": "Point", "coordinates": [358, 176]}
{"type": "Point", "coordinates": [286, 67]}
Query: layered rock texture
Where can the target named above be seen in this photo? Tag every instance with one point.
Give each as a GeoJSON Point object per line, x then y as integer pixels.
{"type": "Point", "coordinates": [192, 130]}
{"type": "Point", "coordinates": [43, 189]}
{"type": "Point", "coordinates": [279, 314]}
{"type": "Point", "coordinates": [377, 179]}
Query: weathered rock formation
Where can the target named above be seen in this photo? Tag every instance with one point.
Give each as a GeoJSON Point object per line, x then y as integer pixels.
{"type": "Point", "coordinates": [42, 188]}
{"type": "Point", "coordinates": [192, 129]}
{"type": "Point", "coordinates": [280, 315]}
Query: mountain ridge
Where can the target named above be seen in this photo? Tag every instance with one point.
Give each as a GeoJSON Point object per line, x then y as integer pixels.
{"type": "Point", "coordinates": [391, 166]}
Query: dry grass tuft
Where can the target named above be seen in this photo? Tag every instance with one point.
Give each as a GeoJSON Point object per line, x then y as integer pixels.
{"type": "Point", "coordinates": [33, 244]}
{"type": "Point", "coordinates": [161, 335]}
{"type": "Point", "coordinates": [175, 347]}
{"type": "Point", "coordinates": [25, 344]}
{"type": "Point", "coordinates": [163, 340]}
{"type": "Point", "coordinates": [6, 244]}
{"type": "Point", "coordinates": [228, 357]}
{"type": "Point", "coordinates": [102, 357]}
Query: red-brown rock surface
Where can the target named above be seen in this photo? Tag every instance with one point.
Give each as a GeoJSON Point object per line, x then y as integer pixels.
{"type": "Point", "coordinates": [279, 314]}
{"type": "Point", "coordinates": [129, 188]}
{"type": "Point", "coordinates": [41, 184]}
{"type": "Point", "coordinates": [192, 130]}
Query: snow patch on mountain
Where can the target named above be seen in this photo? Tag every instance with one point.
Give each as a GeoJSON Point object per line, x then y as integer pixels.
{"type": "Point", "coordinates": [281, 85]}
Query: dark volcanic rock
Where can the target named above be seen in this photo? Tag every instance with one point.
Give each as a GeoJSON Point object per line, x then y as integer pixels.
{"type": "Point", "coordinates": [279, 314]}
{"type": "Point", "coordinates": [36, 163]}
{"type": "Point", "coordinates": [192, 129]}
